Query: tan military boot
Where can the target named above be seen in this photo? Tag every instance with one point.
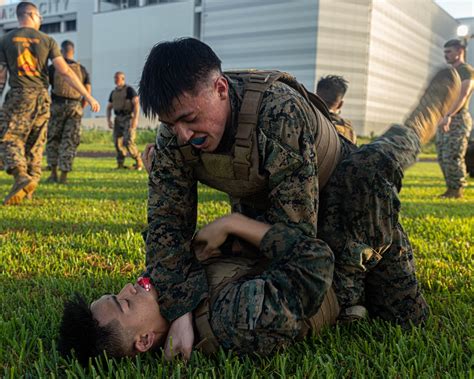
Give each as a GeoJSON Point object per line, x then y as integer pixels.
{"type": "Point", "coordinates": [63, 177]}
{"type": "Point", "coordinates": [53, 178]}
{"type": "Point", "coordinates": [138, 165]}
{"type": "Point", "coordinates": [453, 193]}
{"type": "Point", "coordinates": [441, 93]}
{"type": "Point", "coordinates": [23, 186]}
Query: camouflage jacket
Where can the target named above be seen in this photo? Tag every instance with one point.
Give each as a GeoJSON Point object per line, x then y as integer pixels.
{"type": "Point", "coordinates": [294, 285]}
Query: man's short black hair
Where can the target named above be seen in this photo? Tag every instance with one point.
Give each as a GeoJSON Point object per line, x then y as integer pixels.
{"type": "Point", "coordinates": [332, 89]}
{"type": "Point", "coordinates": [23, 7]}
{"type": "Point", "coordinates": [79, 331]}
{"type": "Point", "coordinates": [66, 45]}
{"type": "Point", "coordinates": [457, 43]}
{"type": "Point", "coordinates": [172, 68]}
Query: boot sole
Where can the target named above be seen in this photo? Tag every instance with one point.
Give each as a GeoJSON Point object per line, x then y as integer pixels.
{"type": "Point", "coordinates": [16, 197]}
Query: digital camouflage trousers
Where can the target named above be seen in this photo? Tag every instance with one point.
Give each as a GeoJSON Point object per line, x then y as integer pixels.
{"type": "Point", "coordinates": [451, 148]}
{"type": "Point", "coordinates": [23, 130]}
{"type": "Point", "coordinates": [124, 138]}
{"type": "Point", "coordinates": [64, 134]}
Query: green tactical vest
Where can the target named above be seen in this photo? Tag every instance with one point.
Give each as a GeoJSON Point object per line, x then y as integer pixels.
{"type": "Point", "coordinates": [223, 270]}
{"type": "Point", "coordinates": [62, 88]}
{"type": "Point", "coordinates": [120, 103]}
{"type": "Point", "coordinates": [238, 174]}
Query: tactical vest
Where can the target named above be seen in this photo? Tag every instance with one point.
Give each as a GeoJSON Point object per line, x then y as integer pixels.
{"type": "Point", "coordinates": [120, 103]}
{"type": "Point", "coordinates": [238, 174]}
{"type": "Point", "coordinates": [344, 128]}
{"type": "Point", "coordinates": [62, 88]}
{"type": "Point", "coordinates": [223, 270]}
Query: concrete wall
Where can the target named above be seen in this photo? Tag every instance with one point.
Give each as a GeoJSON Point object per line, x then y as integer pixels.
{"type": "Point", "coordinates": [343, 48]}
{"type": "Point", "coordinates": [406, 48]}
{"type": "Point", "coordinates": [265, 34]}
{"type": "Point", "coordinates": [123, 38]}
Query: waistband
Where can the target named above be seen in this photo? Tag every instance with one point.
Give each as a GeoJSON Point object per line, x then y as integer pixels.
{"type": "Point", "coordinates": [64, 100]}
{"type": "Point", "coordinates": [122, 113]}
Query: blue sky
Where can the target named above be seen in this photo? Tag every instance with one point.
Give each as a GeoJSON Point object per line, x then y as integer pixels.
{"type": "Point", "coordinates": [458, 8]}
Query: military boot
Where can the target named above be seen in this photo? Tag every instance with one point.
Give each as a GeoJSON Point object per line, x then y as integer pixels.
{"type": "Point", "coordinates": [352, 314]}
{"type": "Point", "coordinates": [53, 178]}
{"type": "Point", "coordinates": [453, 193]}
{"type": "Point", "coordinates": [23, 186]}
{"type": "Point", "coordinates": [63, 177]}
{"type": "Point", "coordinates": [120, 165]}
{"type": "Point", "coordinates": [138, 165]}
{"type": "Point", "coordinates": [439, 96]}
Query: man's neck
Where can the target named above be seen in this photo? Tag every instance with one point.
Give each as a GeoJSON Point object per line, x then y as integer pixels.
{"type": "Point", "coordinates": [28, 24]}
{"type": "Point", "coordinates": [120, 86]}
{"type": "Point", "coordinates": [458, 63]}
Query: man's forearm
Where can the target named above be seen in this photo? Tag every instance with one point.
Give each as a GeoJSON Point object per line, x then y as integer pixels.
{"type": "Point", "coordinates": [71, 78]}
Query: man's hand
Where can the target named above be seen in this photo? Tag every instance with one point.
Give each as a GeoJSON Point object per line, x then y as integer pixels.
{"type": "Point", "coordinates": [147, 156]}
{"type": "Point", "coordinates": [207, 241]}
{"type": "Point", "coordinates": [95, 106]}
{"type": "Point", "coordinates": [445, 123]}
{"type": "Point", "coordinates": [180, 338]}
{"type": "Point", "coordinates": [110, 124]}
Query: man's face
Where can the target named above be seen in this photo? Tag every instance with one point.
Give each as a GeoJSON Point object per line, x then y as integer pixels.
{"type": "Point", "coordinates": [200, 118]}
{"type": "Point", "coordinates": [451, 54]}
{"type": "Point", "coordinates": [133, 307]}
{"type": "Point", "coordinates": [119, 80]}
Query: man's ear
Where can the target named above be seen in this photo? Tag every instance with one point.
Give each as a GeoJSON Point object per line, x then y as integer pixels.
{"type": "Point", "coordinates": [222, 87]}
{"type": "Point", "coordinates": [145, 342]}
{"type": "Point", "coordinates": [339, 106]}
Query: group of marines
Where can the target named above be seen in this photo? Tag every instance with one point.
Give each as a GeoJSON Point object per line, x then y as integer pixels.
{"type": "Point", "coordinates": [30, 117]}
{"type": "Point", "coordinates": [314, 235]}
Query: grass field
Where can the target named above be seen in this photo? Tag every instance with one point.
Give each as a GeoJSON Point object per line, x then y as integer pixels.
{"type": "Point", "coordinates": [86, 237]}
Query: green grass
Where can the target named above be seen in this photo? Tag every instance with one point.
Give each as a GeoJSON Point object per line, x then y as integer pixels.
{"type": "Point", "coordinates": [86, 237]}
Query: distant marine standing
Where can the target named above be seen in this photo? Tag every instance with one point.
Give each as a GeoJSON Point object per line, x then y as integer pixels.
{"type": "Point", "coordinates": [124, 101]}
{"type": "Point", "coordinates": [332, 89]}
{"type": "Point", "coordinates": [64, 130]}
{"type": "Point", "coordinates": [455, 127]}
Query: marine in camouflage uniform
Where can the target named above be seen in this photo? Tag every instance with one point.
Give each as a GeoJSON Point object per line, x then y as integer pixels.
{"type": "Point", "coordinates": [451, 145]}
{"type": "Point", "coordinates": [332, 89]}
{"type": "Point", "coordinates": [358, 207]}
{"type": "Point", "coordinates": [64, 129]}
{"type": "Point", "coordinates": [25, 52]}
{"type": "Point", "coordinates": [470, 155]}
{"type": "Point", "coordinates": [124, 101]}
{"type": "Point", "coordinates": [260, 311]}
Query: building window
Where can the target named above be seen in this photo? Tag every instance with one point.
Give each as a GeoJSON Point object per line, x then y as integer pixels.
{"type": "Point", "coordinates": [70, 26]}
{"type": "Point", "coordinates": [53, 27]}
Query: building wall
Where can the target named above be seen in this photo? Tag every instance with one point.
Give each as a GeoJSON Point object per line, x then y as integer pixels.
{"type": "Point", "coordinates": [406, 48]}
{"type": "Point", "coordinates": [343, 48]}
{"type": "Point", "coordinates": [123, 38]}
{"type": "Point", "coordinates": [265, 34]}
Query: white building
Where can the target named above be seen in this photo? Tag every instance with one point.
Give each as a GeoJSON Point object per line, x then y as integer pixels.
{"type": "Point", "coordinates": [385, 48]}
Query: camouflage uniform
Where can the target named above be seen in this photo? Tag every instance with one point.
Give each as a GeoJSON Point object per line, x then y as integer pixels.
{"type": "Point", "coordinates": [124, 135]}
{"type": "Point", "coordinates": [64, 130]}
{"type": "Point", "coordinates": [344, 127]}
{"type": "Point", "coordinates": [451, 146]}
{"type": "Point", "coordinates": [23, 139]}
{"type": "Point", "coordinates": [124, 138]}
{"type": "Point", "coordinates": [25, 52]}
{"type": "Point", "coordinates": [470, 155]}
{"type": "Point", "coordinates": [64, 134]}
{"type": "Point", "coordinates": [260, 313]}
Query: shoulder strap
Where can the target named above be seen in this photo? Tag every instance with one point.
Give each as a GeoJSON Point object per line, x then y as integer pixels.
{"type": "Point", "coordinates": [255, 84]}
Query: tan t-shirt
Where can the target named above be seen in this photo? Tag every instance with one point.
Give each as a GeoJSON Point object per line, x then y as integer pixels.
{"type": "Point", "coordinates": [26, 51]}
{"type": "Point", "coordinates": [466, 72]}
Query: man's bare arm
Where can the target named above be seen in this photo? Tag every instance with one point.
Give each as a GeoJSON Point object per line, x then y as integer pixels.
{"type": "Point", "coordinates": [71, 78]}
{"type": "Point", "coordinates": [466, 89]}
{"type": "Point", "coordinates": [136, 111]}
{"type": "Point", "coordinates": [108, 113]}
